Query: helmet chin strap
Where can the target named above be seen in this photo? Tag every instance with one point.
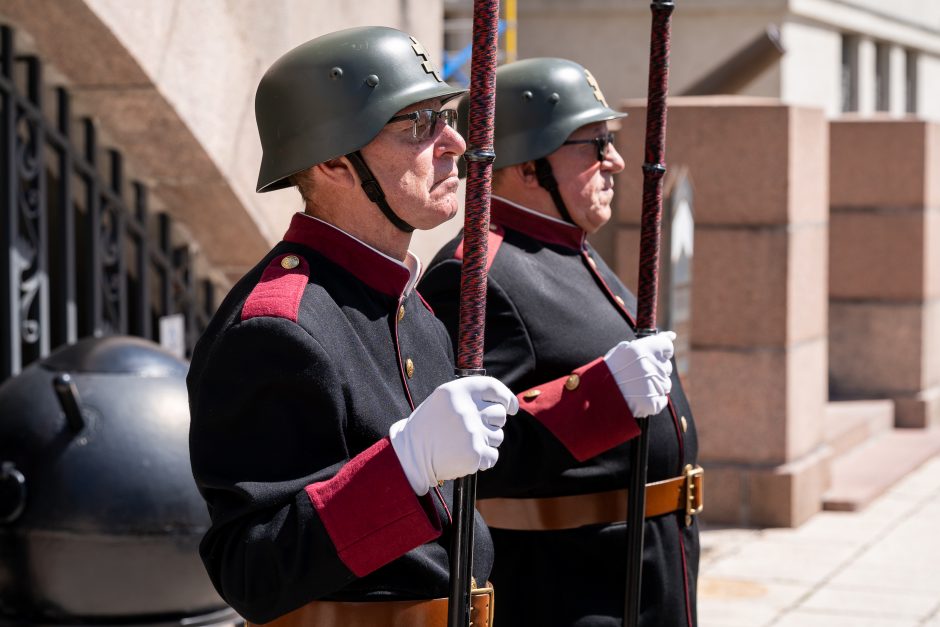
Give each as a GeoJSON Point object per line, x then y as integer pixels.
{"type": "Point", "coordinates": [543, 172]}
{"type": "Point", "coordinates": [374, 191]}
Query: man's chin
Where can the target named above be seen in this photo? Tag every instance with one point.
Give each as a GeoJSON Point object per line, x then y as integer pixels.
{"type": "Point", "coordinates": [442, 213]}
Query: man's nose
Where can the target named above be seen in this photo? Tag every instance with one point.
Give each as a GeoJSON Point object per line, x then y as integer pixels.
{"type": "Point", "coordinates": [450, 142]}
{"type": "Point", "coordinates": [612, 160]}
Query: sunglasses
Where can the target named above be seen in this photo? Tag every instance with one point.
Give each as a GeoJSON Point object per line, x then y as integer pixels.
{"type": "Point", "coordinates": [424, 121]}
{"type": "Point", "coordinates": [601, 142]}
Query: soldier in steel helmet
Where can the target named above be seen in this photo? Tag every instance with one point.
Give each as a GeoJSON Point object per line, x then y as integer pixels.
{"type": "Point", "coordinates": [326, 427]}
{"type": "Point", "coordinates": [560, 332]}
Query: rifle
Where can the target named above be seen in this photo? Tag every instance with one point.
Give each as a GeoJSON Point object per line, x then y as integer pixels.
{"type": "Point", "coordinates": [648, 285]}
{"type": "Point", "coordinates": [479, 157]}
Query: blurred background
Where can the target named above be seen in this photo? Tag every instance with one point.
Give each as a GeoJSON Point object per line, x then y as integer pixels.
{"type": "Point", "coordinates": [802, 204]}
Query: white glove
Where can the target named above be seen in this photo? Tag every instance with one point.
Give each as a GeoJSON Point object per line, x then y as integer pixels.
{"type": "Point", "coordinates": [454, 432]}
{"type": "Point", "coordinates": [641, 369]}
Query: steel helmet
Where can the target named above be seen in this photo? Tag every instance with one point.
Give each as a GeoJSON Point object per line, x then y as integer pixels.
{"type": "Point", "coordinates": [332, 95]}
{"type": "Point", "coordinates": [539, 104]}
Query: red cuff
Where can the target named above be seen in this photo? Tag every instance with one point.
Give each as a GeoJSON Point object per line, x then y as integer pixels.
{"type": "Point", "coordinates": [584, 410]}
{"type": "Point", "coordinates": [370, 511]}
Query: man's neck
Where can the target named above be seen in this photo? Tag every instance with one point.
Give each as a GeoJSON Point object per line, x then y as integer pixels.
{"type": "Point", "coordinates": [539, 200]}
{"type": "Point", "coordinates": [367, 224]}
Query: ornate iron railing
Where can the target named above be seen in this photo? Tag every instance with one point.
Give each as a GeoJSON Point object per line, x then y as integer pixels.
{"type": "Point", "coordinates": [78, 257]}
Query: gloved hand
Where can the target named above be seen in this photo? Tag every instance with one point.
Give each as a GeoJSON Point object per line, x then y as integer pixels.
{"type": "Point", "coordinates": [454, 432]}
{"type": "Point", "coordinates": [641, 369]}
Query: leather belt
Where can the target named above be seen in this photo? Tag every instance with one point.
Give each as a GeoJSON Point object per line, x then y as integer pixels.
{"type": "Point", "coordinates": [430, 613]}
{"type": "Point", "coordinates": [679, 494]}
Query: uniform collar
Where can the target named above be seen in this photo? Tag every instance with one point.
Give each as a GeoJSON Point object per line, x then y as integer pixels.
{"type": "Point", "coordinates": [371, 266]}
{"type": "Point", "coordinates": [534, 224]}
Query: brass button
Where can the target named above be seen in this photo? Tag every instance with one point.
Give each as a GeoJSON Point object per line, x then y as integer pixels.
{"type": "Point", "coordinates": [401, 313]}
{"type": "Point", "coordinates": [409, 368]}
{"type": "Point", "coordinates": [592, 263]}
{"type": "Point", "coordinates": [619, 300]}
{"type": "Point", "coordinates": [440, 484]}
{"type": "Point", "coordinates": [573, 382]}
{"type": "Point", "coordinates": [290, 262]}
{"type": "Point", "coordinates": [685, 424]}
{"type": "Point", "coordinates": [531, 394]}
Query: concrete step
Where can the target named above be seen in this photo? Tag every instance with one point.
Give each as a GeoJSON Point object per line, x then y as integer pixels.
{"type": "Point", "coordinates": [851, 423]}
{"type": "Point", "coordinates": [867, 471]}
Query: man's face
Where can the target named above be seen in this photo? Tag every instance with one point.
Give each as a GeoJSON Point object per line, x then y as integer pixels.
{"type": "Point", "coordinates": [418, 176]}
{"type": "Point", "coordinates": [586, 184]}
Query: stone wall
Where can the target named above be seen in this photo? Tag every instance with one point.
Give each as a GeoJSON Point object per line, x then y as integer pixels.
{"type": "Point", "coordinates": [885, 257]}
{"type": "Point", "coordinates": [759, 298]}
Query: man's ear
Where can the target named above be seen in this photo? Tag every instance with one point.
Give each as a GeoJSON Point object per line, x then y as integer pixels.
{"type": "Point", "coordinates": [526, 173]}
{"type": "Point", "coordinates": [338, 171]}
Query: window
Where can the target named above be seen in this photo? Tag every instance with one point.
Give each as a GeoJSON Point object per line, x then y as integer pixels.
{"type": "Point", "coordinates": [910, 81]}
{"type": "Point", "coordinates": [849, 77]}
{"type": "Point", "coordinates": [882, 77]}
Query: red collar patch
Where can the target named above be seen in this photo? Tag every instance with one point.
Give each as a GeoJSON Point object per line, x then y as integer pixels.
{"type": "Point", "coordinates": [378, 271]}
{"type": "Point", "coordinates": [543, 228]}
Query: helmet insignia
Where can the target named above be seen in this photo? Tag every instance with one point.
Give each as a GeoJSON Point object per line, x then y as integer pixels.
{"type": "Point", "coordinates": [426, 63]}
{"type": "Point", "coordinates": [597, 88]}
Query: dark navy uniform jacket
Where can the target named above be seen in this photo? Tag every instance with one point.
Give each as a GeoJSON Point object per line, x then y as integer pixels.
{"type": "Point", "coordinates": [293, 387]}
{"type": "Point", "coordinates": [554, 307]}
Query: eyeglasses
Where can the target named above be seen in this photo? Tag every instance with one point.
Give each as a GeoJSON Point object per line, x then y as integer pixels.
{"type": "Point", "coordinates": [425, 121]}
{"type": "Point", "coordinates": [601, 142]}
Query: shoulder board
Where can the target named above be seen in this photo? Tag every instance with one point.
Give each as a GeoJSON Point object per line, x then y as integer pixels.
{"type": "Point", "coordinates": [494, 238]}
{"type": "Point", "coordinates": [280, 289]}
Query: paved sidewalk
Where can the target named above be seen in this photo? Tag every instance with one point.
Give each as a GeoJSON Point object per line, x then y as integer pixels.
{"type": "Point", "coordinates": [876, 568]}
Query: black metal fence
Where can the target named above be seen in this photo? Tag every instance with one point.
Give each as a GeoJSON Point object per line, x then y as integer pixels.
{"type": "Point", "coordinates": [81, 253]}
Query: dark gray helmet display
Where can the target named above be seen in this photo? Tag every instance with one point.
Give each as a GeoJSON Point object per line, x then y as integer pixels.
{"type": "Point", "coordinates": [539, 103]}
{"type": "Point", "coordinates": [332, 95]}
{"type": "Point", "coordinates": [100, 519]}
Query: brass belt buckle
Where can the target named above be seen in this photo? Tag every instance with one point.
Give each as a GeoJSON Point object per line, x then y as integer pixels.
{"type": "Point", "coordinates": [694, 497]}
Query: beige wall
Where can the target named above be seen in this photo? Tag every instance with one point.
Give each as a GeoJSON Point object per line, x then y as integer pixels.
{"type": "Point", "coordinates": [810, 70]}
{"type": "Point", "coordinates": [928, 81]}
{"type": "Point", "coordinates": [914, 12]}
{"type": "Point", "coordinates": [612, 38]}
{"type": "Point", "coordinates": [207, 57]}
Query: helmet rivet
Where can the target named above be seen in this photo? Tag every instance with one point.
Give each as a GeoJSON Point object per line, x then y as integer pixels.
{"type": "Point", "coordinates": [527, 95]}
{"type": "Point", "coordinates": [554, 98]}
{"type": "Point", "coordinates": [336, 72]}
{"type": "Point", "coordinates": [372, 80]}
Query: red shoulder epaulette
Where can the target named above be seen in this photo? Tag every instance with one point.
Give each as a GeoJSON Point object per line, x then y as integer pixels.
{"type": "Point", "coordinates": [493, 240]}
{"type": "Point", "coordinates": [280, 289]}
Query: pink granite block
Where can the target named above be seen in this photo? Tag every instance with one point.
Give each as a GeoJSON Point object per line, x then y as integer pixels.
{"type": "Point", "coordinates": [875, 349]}
{"type": "Point", "coordinates": [878, 163]}
{"type": "Point", "coordinates": [918, 411]}
{"type": "Point", "coordinates": [780, 151]}
{"type": "Point", "coordinates": [740, 289]}
{"type": "Point", "coordinates": [740, 405]}
{"type": "Point", "coordinates": [808, 166]}
{"type": "Point", "coordinates": [878, 254]}
{"type": "Point", "coordinates": [807, 282]}
{"type": "Point", "coordinates": [807, 393]}
{"type": "Point", "coordinates": [788, 495]}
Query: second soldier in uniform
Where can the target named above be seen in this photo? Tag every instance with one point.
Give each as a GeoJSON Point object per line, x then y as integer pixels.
{"type": "Point", "coordinates": [560, 332]}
